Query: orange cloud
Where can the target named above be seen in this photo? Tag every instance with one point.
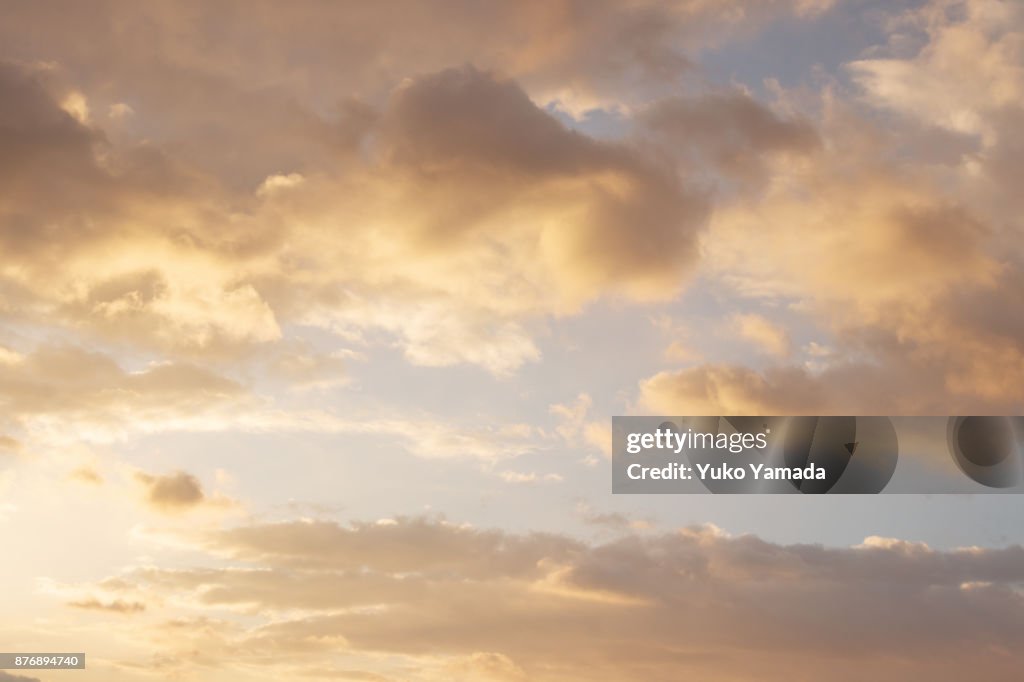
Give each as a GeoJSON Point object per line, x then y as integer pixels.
{"type": "Point", "coordinates": [423, 597]}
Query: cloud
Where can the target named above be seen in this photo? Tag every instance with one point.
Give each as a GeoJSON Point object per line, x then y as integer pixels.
{"type": "Point", "coordinates": [896, 382]}
{"type": "Point", "coordinates": [116, 606]}
{"type": "Point", "coordinates": [53, 384]}
{"type": "Point", "coordinates": [441, 180]}
{"type": "Point", "coordinates": [728, 132]}
{"type": "Point", "coordinates": [576, 428]}
{"type": "Point", "coordinates": [422, 435]}
{"type": "Point", "coordinates": [487, 666]}
{"type": "Point", "coordinates": [302, 368]}
{"type": "Point", "coordinates": [442, 210]}
{"type": "Point", "coordinates": [55, 395]}
{"type": "Point", "coordinates": [471, 213]}
{"type": "Point", "coordinates": [8, 677]}
{"type": "Point", "coordinates": [434, 595]}
{"type": "Point", "coordinates": [413, 544]}
{"type": "Point", "coordinates": [478, 212]}
{"type": "Point", "coordinates": [44, 147]}
{"type": "Point", "coordinates": [62, 394]}
{"type": "Point", "coordinates": [862, 239]}
{"type": "Point", "coordinates": [879, 259]}
{"type": "Point", "coordinates": [763, 333]}
{"type": "Point", "coordinates": [528, 478]}
{"type": "Point", "coordinates": [972, 49]}
{"type": "Point", "coordinates": [733, 389]}
{"type": "Point", "coordinates": [119, 110]}
{"type": "Point", "coordinates": [556, 47]}
{"type": "Point", "coordinates": [87, 475]}
{"type": "Point", "coordinates": [179, 492]}
{"type": "Point", "coordinates": [969, 117]}
{"type": "Point", "coordinates": [451, 214]}
{"type": "Point", "coordinates": [622, 222]}
{"type": "Point", "coordinates": [175, 492]}
{"type": "Point", "coordinates": [900, 264]}
{"type": "Point", "coordinates": [73, 198]}
{"type": "Point", "coordinates": [614, 521]}
{"type": "Point", "coordinates": [277, 183]}
{"type": "Point", "coordinates": [455, 217]}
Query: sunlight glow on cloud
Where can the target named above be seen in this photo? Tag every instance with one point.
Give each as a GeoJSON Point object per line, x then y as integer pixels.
{"type": "Point", "coordinates": [264, 271]}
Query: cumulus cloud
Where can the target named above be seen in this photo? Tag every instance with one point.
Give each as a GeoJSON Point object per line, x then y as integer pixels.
{"type": "Point", "coordinates": [882, 250]}
{"type": "Point", "coordinates": [73, 200]}
{"type": "Point", "coordinates": [730, 133]}
{"type": "Point", "coordinates": [475, 213]}
{"type": "Point", "coordinates": [489, 172]}
{"type": "Point", "coordinates": [443, 206]}
{"type": "Point", "coordinates": [952, 73]}
{"type": "Point", "coordinates": [473, 210]}
{"type": "Point", "coordinates": [453, 213]}
{"type": "Point", "coordinates": [972, 48]}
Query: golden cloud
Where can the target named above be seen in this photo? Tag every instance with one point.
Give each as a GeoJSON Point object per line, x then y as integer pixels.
{"type": "Point", "coordinates": [475, 210]}
{"type": "Point", "coordinates": [417, 596]}
{"type": "Point", "coordinates": [90, 386]}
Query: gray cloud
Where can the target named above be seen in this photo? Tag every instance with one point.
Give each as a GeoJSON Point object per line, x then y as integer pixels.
{"type": "Point", "coordinates": [729, 131]}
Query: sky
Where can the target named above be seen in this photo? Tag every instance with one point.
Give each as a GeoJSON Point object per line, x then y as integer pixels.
{"type": "Point", "coordinates": [314, 316]}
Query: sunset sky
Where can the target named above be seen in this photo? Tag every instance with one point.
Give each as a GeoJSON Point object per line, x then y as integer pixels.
{"type": "Point", "coordinates": [314, 316]}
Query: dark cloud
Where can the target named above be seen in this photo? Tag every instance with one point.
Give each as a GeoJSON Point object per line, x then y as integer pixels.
{"type": "Point", "coordinates": [727, 131]}
{"type": "Point", "coordinates": [468, 117]}
{"type": "Point", "coordinates": [630, 220]}
{"type": "Point", "coordinates": [47, 161]}
{"type": "Point", "coordinates": [66, 187]}
{"type": "Point", "coordinates": [175, 492]}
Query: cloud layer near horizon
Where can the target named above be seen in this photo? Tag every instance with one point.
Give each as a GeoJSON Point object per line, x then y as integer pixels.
{"type": "Point", "coordinates": [416, 596]}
